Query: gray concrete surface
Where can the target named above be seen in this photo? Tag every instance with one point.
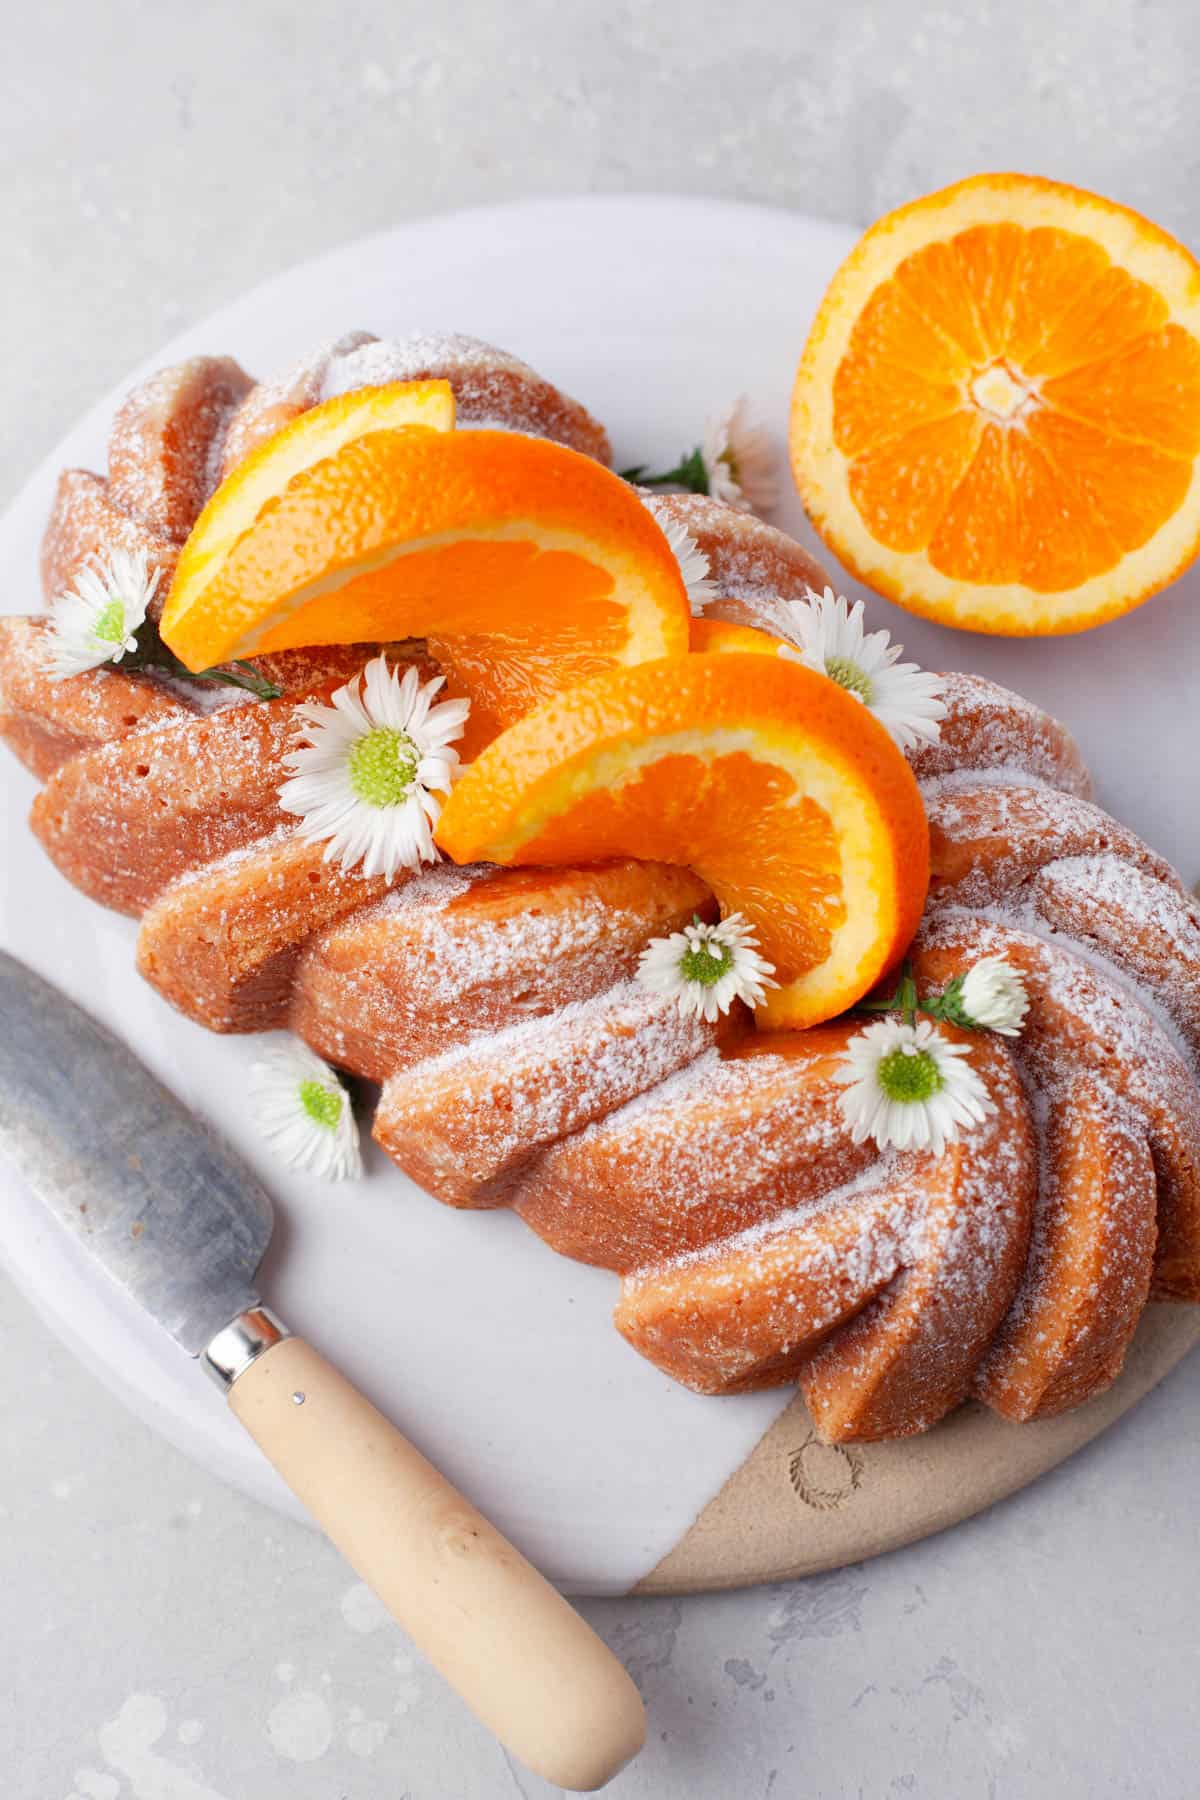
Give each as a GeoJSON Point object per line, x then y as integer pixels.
{"type": "Point", "coordinates": [161, 1639]}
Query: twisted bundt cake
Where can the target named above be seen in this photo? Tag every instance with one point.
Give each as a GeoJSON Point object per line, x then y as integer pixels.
{"type": "Point", "coordinates": [708, 1165]}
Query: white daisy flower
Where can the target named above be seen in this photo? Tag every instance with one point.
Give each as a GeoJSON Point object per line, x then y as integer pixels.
{"type": "Point", "coordinates": [304, 1112]}
{"type": "Point", "coordinates": [707, 967]}
{"type": "Point", "coordinates": [375, 765]}
{"type": "Point", "coordinates": [992, 997]}
{"type": "Point", "coordinates": [909, 1086]}
{"type": "Point", "coordinates": [693, 564]}
{"type": "Point", "coordinates": [97, 620]}
{"type": "Point", "coordinates": [739, 461]}
{"type": "Point", "coordinates": [904, 698]}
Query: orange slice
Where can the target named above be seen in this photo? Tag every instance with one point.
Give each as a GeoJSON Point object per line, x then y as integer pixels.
{"type": "Point", "coordinates": [264, 475]}
{"type": "Point", "coordinates": [768, 780]}
{"type": "Point", "coordinates": [996, 420]}
{"type": "Point", "coordinates": [712, 637]}
{"type": "Point", "coordinates": [525, 566]}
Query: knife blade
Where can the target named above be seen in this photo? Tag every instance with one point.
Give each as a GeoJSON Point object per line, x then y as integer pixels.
{"type": "Point", "coordinates": [172, 1216]}
{"type": "Point", "coordinates": [160, 1203]}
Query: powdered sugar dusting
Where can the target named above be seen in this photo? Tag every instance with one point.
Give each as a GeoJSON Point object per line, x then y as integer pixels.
{"type": "Point", "coordinates": [381, 360]}
{"type": "Point", "coordinates": [879, 1185]}
{"type": "Point", "coordinates": [754, 569]}
{"type": "Point", "coordinates": [722, 1145]}
{"type": "Point", "coordinates": [1085, 1019]}
{"type": "Point", "coordinates": [272, 404]}
{"type": "Point", "coordinates": [465, 1122]}
{"type": "Point", "coordinates": [461, 953]}
{"type": "Point", "coordinates": [1091, 1252]}
{"type": "Point", "coordinates": [46, 722]}
{"type": "Point", "coordinates": [435, 886]}
{"type": "Point", "coordinates": [758, 1243]}
{"type": "Point", "coordinates": [491, 387]}
{"type": "Point", "coordinates": [128, 818]}
{"type": "Point", "coordinates": [1138, 925]}
{"type": "Point", "coordinates": [165, 447]}
{"type": "Point", "coordinates": [988, 727]}
{"type": "Point", "coordinates": [937, 1246]}
{"type": "Point", "coordinates": [989, 837]}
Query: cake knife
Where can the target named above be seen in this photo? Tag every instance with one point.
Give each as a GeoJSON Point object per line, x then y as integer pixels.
{"type": "Point", "coordinates": [173, 1217]}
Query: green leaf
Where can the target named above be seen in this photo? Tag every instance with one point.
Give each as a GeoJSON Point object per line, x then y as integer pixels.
{"type": "Point", "coordinates": [908, 1002]}
{"type": "Point", "coordinates": [238, 675]}
{"type": "Point", "coordinates": [689, 473]}
{"type": "Point", "coordinates": [948, 1005]}
{"type": "Point", "coordinates": [152, 653]}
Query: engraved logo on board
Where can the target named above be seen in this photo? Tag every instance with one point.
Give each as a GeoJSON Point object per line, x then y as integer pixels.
{"type": "Point", "coordinates": [824, 1475]}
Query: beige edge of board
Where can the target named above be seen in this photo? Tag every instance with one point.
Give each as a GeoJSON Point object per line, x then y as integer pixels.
{"type": "Point", "coordinates": [797, 1506]}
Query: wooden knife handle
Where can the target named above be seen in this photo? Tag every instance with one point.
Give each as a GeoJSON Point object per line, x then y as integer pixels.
{"type": "Point", "coordinates": [520, 1656]}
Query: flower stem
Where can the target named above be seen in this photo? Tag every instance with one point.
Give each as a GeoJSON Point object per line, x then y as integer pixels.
{"type": "Point", "coordinates": [906, 1000]}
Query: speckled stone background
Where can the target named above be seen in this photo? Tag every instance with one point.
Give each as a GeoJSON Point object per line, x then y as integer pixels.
{"type": "Point", "coordinates": [162, 1639]}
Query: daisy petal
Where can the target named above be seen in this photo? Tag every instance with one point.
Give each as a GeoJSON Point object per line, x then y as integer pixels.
{"type": "Point", "coordinates": [908, 1087]}
{"type": "Point", "coordinates": [739, 461]}
{"type": "Point", "coordinates": [829, 638]}
{"type": "Point", "coordinates": [304, 1112]}
{"type": "Point", "coordinates": [368, 771]}
{"type": "Point", "coordinates": [693, 564]}
{"type": "Point", "coordinates": [97, 620]}
{"type": "Point", "coordinates": [707, 967]}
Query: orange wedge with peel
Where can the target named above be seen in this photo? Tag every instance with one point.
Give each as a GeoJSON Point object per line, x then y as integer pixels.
{"type": "Point", "coordinates": [778, 788]}
{"type": "Point", "coordinates": [996, 420]}
{"type": "Point", "coordinates": [265, 475]}
{"type": "Point", "coordinates": [525, 566]}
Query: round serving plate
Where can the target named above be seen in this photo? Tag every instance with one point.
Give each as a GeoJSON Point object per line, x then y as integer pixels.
{"type": "Point", "coordinates": [495, 1355]}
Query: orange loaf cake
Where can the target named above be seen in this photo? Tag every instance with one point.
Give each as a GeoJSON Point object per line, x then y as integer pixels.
{"type": "Point", "coordinates": [521, 1064]}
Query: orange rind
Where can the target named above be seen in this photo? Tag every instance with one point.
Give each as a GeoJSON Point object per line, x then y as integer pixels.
{"type": "Point", "coordinates": [775, 786]}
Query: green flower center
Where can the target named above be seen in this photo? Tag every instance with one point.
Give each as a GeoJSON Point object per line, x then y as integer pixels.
{"type": "Point", "coordinates": [847, 674]}
{"type": "Point", "coordinates": [323, 1105]}
{"type": "Point", "coordinates": [110, 622]}
{"type": "Point", "coordinates": [383, 766]}
{"type": "Point", "coordinates": [706, 962]}
{"type": "Point", "coordinates": [908, 1076]}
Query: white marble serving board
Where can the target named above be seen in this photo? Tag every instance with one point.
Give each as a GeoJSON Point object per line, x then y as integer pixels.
{"type": "Point", "coordinates": [495, 1355]}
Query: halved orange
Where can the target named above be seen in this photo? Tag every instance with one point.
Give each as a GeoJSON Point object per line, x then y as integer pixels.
{"type": "Point", "coordinates": [996, 420]}
{"type": "Point", "coordinates": [524, 565]}
{"type": "Point", "coordinates": [778, 788]}
{"type": "Point", "coordinates": [265, 474]}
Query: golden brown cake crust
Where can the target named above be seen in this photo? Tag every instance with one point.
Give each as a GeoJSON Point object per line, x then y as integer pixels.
{"type": "Point", "coordinates": [223, 946]}
{"type": "Point", "coordinates": [712, 1169]}
{"type": "Point", "coordinates": [85, 523]}
{"type": "Point", "coordinates": [490, 388]}
{"type": "Point", "coordinates": [165, 446]}
{"type": "Point", "coordinates": [46, 722]}
{"type": "Point", "coordinates": [755, 569]}
{"type": "Point", "coordinates": [456, 955]}
{"type": "Point", "coordinates": [270, 405]}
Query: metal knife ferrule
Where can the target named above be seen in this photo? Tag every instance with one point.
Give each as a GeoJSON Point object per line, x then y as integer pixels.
{"type": "Point", "coordinates": [240, 1343]}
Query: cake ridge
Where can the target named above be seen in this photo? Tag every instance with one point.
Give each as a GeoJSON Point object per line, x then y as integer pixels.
{"type": "Point", "coordinates": [629, 1132]}
{"type": "Point", "coordinates": [1020, 911]}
